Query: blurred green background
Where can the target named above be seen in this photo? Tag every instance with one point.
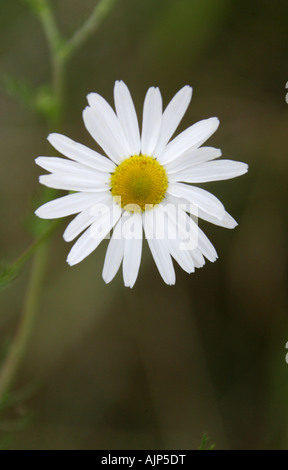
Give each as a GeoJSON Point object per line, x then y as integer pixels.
{"type": "Point", "coordinates": [156, 366]}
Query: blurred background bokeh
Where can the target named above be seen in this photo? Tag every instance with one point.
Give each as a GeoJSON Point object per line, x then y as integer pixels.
{"type": "Point", "coordinates": [157, 366]}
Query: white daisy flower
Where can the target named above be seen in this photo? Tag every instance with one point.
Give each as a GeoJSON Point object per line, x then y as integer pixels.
{"type": "Point", "coordinates": [146, 183]}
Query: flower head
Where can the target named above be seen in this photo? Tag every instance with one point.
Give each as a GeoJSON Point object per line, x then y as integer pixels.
{"type": "Point", "coordinates": [143, 183]}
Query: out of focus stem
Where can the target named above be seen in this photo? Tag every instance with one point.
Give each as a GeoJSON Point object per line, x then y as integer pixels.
{"type": "Point", "coordinates": [61, 51]}
{"type": "Point", "coordinates": [55, 43]}
{"type": "Point", "coordinates": [98, 15]}
{"type": "Point", "coordinates": [18, 347]}
{"type": "Point", "coordinates": [16, 266]}
{"type": "Point", "coordinates": [23, 333]}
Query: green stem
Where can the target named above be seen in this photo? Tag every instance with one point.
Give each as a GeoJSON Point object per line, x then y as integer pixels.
{"type": "Point", "coordinates": [58, 80]}
{"type": "Point", "coordinates": [53, 36]}
{"type": "Point", "coordinates": [96, 18]}
{"type": "Point", "coordinates": [55, 43]}
{"type": "Point", "coordinates": [31, 249]}
{"type": "Point", "coordinates": [18, 347]}
{"type": "Point", "coordinates": [60, 53]}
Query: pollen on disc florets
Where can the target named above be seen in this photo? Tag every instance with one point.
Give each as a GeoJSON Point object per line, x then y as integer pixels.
{"type": "Point", "coordinates": [139, 183]}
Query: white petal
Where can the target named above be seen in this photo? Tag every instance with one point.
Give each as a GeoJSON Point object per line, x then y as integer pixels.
{"type": "Point", "coordinates": [102, 123]}
{"type": "Point", "coordinates": [172, 117]}
{"type": "Point", "coordinates": [198, 258]}
{"type": "Point", "coordinates": [93, 236]}
{"type": "Point", "coordinates": [62, 166]}
{"type": "Point", "coordinates": [72, 182]}
{"type": "Point", "coordinates": [133, 248]}
{"type": "Point", "coordinates": [162, 258]}
{"type": "Point", "coordinates": [159, 248]}
{"type": "Point", "coordinates": [152, 114]}
{"type": "Point", "coordinates": [114, 253]}
{"type": "Point", "coordinates": [183, 258]}
{"type": "Point", "coordinates": [127, 116]}
{"type": "Point", "coordinates": [198, 238]}
{"type": "Point", "coordinates": [80, 153]}
{"type": "Point", "coordinates": [206, 247]}
{"type": "Point", "coordinates": [211, 171]}
{"type": "Point", "coordinates": [68, 205]}
{"type": "Point", "coordinates": [192, 239]}
{"type": "Point", "coordinates": [197, 197]}
{"type": "Point", "coordinates": [78, 225]}
{"type": "Point", "coordinates": [192, 157]}
{"type": "Point", "coordinates": [227, 221]}
{"type": "Point", "coordinates": [188, 239]}
{"type": "Point", "coordinates": [194, 136]}
{"type": "Point", "coordinates": [175, 244]}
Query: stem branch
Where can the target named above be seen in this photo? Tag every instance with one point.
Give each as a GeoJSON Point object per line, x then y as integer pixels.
{"type": "Point", "coordinates": [60, 51]}
{"type": "Point", "coordinates": [53, 36]}
{"type": "Point", "coordinates": [55, 43]}
{"type": "Point", "coordinates": [97, 16]}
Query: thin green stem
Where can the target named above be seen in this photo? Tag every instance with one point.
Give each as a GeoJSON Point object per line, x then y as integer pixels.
{"type": "Point", "coordinates": [31, 249]}
{"type": "Point", "coordinates": [53, 36]}
{"type": "Point", "coordinates": [18, 347]}
{"type": "Point", "coordinates": [20, 341]}
{"type": "Point", "coordinates": [60, 52]}
{"type": "Point", "coordinates": [96, 18]}
{"type": "Point", "coordinates": [55, 43]}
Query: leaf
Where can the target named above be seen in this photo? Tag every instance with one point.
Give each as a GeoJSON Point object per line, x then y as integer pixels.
{"type": "Point", "coordinates": [45, 103]}
{"type": "Point", "coordinates": [203, 445]}
{"type": "Point", "coordinates": [17, 398]}
{"type": "Point", "coordinates": [7, 274]}
{"type": "Point", "coordinates": [41, 99]}
{"type": "Point", "coordinates": [19, 90]}
{"type": "Point", "coordinates": [36, 5]}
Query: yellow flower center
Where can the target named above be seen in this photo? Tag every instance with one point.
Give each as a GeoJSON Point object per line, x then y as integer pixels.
{"type": "Point", "coordinates": [139, 183]}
